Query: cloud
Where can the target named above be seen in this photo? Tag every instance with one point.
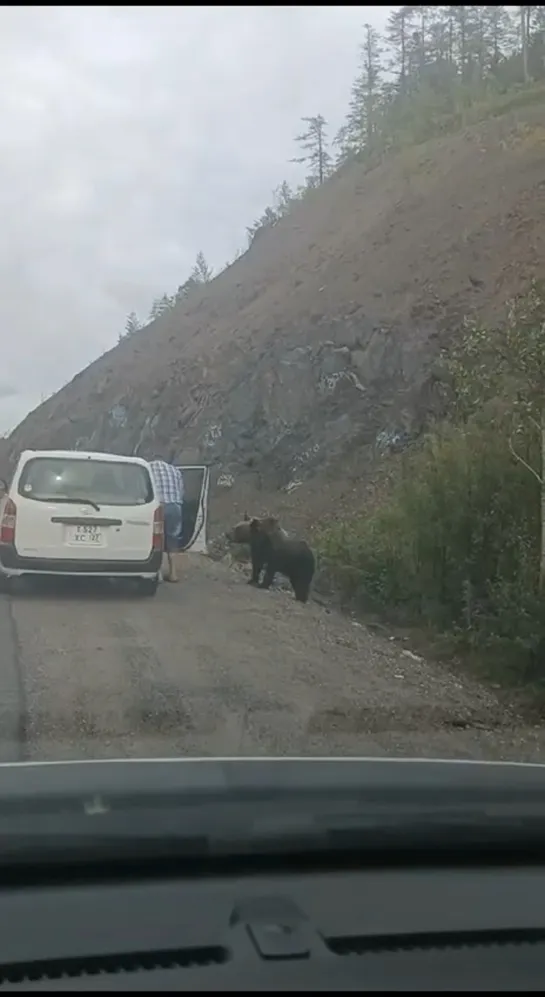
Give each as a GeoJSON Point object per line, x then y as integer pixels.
{"type": "Point", "coordinates": [130, 139]}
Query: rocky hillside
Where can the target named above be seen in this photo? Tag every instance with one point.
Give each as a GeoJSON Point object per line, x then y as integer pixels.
{"type": "Point", "coordinates": [314, 352]}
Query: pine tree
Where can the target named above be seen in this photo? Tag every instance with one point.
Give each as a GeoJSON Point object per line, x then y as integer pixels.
{"type": "Point", "coordinates": [282, 199]}
{"type": "Point", "coordinates": [362, 119]}
{"type": "Point", "coordinates": [465, 21]}
{"type": "Point", "coordinates": [499, 34]}
{"type": "Point", "coordinates": [267, 220]}
{"type": "Point", "coordinates": [316, 153]}
{"type": "Point", "coordinates": [186, 288]}
{"type": "Point", "coordinates": [525, 21]}
{"type": "Point", "coordinates": [201, 272]}
{"type": "Point", "coordinates": [160, 306]}
{"type": "Point", "coordinates": [399, 28]}
{"type": "Point", "coordinates": [132, 325]}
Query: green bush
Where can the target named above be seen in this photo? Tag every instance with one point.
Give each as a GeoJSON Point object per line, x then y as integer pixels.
{"type": "Point", "coordinates": [456, 543]}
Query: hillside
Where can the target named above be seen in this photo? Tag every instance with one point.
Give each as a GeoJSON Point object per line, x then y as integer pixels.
{"type": "Point", "coordinates": [319, 342]}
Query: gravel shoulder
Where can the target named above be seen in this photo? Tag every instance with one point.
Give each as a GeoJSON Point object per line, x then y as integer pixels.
{"type": "Point", "coordinates": [213, 666]}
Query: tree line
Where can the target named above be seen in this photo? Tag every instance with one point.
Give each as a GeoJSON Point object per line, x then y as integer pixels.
{"type": "Point", "coordinates": [421, 77]}
{"type": "Point", "coordinates": [200, 274]}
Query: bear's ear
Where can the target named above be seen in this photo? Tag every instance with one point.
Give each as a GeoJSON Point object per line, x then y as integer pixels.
{"type": "Point", "coordinates": [266, 525]}
{"type": "Point", "coordinates": [246, 517]}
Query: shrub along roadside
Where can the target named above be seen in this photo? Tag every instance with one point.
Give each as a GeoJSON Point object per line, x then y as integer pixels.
{"type": "Point", "coordinates": [457, 544]}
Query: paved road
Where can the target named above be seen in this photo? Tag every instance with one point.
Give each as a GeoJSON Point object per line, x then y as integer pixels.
{"type": "Point", "coordinates": [214, 667]}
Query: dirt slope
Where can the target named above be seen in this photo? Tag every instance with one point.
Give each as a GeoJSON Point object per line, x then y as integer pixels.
{"type": "Point", "coordinates": [312, 353]}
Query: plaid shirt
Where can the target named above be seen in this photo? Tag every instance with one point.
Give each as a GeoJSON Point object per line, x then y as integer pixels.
{"type": "Point", "coordinates": [169, 483]}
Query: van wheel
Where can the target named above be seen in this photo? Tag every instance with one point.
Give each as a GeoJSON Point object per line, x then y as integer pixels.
{"type": "Point", "coordinates": [148, 586]}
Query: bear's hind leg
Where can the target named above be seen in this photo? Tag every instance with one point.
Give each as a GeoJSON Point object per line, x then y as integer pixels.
{"type": "Point", "coordinates": [268, 577]}
{"type": "Point", "coordinates": [301, 589]}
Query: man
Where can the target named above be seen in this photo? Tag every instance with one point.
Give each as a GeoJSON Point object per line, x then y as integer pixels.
{"type": "Point", "coordinates": [169, 485]}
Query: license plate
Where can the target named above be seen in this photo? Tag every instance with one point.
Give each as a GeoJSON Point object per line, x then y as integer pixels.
{"type": "Point", "coordinates": [85, 536]}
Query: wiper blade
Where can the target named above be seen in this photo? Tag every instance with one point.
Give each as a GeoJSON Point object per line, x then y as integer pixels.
{"type": "Point", "coordinates": [76, 501]}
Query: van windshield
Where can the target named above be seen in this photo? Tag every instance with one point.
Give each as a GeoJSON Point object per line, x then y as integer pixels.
{"type": "Point", "coordinates": [46, 479]}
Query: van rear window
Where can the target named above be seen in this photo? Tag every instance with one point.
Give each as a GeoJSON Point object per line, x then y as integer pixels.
{"type": "Point", "coordinates": [46, 479]}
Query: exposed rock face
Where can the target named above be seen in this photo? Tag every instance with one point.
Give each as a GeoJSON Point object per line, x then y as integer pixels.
{"type": "Point", "coordinates": [321, 339]}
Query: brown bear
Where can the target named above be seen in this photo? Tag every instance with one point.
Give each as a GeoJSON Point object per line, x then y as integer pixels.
{"type": "Point", "coordinates": [241, 534]}
{"type": "Point", "coordinates": [280, 553]}
{"type": "Point", "coordinates": [259, 544]}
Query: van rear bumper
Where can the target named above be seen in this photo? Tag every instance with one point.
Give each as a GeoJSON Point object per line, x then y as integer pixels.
{"type": "Point", "coordinates": [11, 563]}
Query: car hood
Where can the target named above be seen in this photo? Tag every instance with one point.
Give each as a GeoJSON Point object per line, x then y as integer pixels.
{"type": "Point", "coordinates": [224, 777]}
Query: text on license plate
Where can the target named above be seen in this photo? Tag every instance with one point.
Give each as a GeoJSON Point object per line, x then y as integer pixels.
{"type": "Point", "coordinates": [85, 536]}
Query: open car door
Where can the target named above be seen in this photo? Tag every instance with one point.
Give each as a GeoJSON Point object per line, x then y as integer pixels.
{"type": "Point", "coordinates": [195, 508]}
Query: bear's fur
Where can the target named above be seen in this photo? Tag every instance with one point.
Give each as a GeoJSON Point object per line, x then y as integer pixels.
{"type": "Point", "coordinates": [279, 553]}
{"type": "Point", "coordinates": [258, 544]}
{"type": "Point", "coordinates": [242, 534]}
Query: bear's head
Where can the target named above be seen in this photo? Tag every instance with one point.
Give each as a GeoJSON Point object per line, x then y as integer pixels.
{"type": "Point", "coordinates": [240, 534]}
{"type": "Point", "coordinates": [268, 527]}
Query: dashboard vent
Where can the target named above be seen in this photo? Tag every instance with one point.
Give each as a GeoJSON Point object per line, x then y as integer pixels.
{"type": "Point", "coordinates": [407, 941]}
{"type": "Point", "coordinates": [128, 962]}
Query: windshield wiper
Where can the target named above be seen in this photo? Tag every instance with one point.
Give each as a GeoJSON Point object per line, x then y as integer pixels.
{"type": "Point", "coordinates": [75, 501]}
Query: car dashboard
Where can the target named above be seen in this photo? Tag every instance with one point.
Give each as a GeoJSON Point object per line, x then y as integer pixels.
{"type": "Point", "coordinates": [430, 927]}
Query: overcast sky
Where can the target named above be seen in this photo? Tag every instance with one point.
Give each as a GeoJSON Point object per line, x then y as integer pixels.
{"type": "Point", "coordinates": [130, 139]}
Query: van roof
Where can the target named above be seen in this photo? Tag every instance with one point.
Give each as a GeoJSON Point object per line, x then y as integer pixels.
{"type": "Point", "coordinates": [83, 455]}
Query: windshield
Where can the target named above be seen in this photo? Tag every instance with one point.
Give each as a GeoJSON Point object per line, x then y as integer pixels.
{"type": "Point", "coordinates": [47, 479]}
{"type": "Point", "coordinates": [272, 382]}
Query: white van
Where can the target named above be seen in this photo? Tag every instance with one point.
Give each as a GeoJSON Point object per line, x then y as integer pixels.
{"type": "Point", "coordinates": [68, 512]}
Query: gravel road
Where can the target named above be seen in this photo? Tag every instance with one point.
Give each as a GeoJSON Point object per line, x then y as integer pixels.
{"type": "Point", "coordinates": [214, 667]}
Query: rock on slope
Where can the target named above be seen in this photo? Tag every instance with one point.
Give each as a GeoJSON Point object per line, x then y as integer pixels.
{"type": "Point", "coordinates": [320, 340]}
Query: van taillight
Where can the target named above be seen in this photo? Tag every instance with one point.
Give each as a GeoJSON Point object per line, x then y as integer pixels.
{"type": "Point", "coordinates": [158, 528]}
{"type": "Point", "coordinates": [7, 523]}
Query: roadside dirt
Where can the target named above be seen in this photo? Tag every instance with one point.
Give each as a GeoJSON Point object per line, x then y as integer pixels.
{"type": "Point", "coordinates": [215, 667]}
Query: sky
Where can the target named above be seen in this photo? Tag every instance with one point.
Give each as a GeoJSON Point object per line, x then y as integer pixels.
{"type": "Point", "coordinates": [131, 138]}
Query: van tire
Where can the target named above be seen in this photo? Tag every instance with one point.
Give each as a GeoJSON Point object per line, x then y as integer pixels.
{"type": "Point", "coordinates": [148, 586]}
